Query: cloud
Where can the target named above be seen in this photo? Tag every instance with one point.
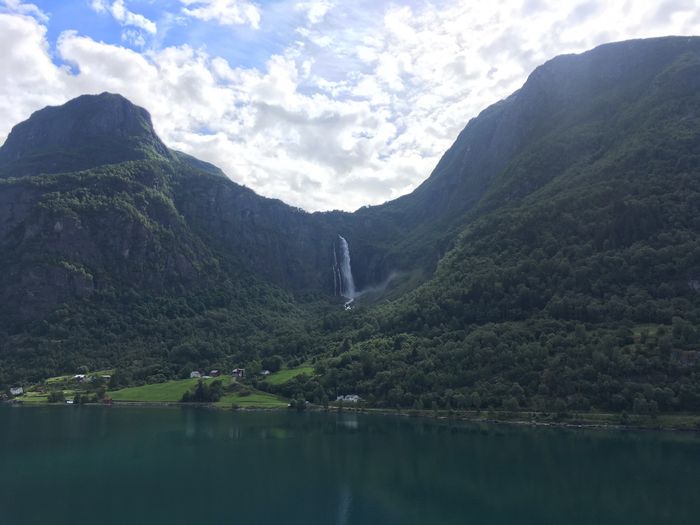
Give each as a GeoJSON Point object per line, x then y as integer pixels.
{"type": "Point", "coordinates": [125, 17]}
{"type": "Point", "coordinates": [355, 107]}
{"type": "Point", "coordinates": [18, 7]}
{"type": "Point", "coordinates": [133, 37]}
{"type": "Point", "coordinates": [224, 12]}
{"type": "Point", "coordinates": [315, 11]}
{"type": "Point", "coordinates": [30, 78]}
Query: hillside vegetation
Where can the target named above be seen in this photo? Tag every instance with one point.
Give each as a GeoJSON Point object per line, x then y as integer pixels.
{"type": "Point", "coordinates": [551, 261]}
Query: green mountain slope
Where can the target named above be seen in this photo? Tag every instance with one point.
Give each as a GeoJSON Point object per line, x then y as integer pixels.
{"type": "Point", "coordinates": [575, 282]}
{"type": "Point", "coordinates": [550, 261]}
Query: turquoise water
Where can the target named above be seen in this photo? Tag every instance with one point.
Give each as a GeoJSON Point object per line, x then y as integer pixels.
{"type": "Point", "coordinates": [65, 465]}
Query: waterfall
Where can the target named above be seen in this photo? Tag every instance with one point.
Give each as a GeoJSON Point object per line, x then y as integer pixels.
{"type": "Point", "coordinates": [346, 270]}
{"type": "Point", "coordinates": [343, 283]}
{"type": "Point", "coordinates": [337, 279]}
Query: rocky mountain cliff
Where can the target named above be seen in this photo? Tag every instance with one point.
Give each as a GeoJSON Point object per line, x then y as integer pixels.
{"type": "Point", "coordinates": [281, 244]}
{"type": "Point", "coordinates": [568, 207]}
{"type": "Point", "coordinates": [86, 132]}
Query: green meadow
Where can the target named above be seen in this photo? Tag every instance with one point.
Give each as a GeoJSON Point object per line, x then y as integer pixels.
{"type": "Point", "coordinates": [255, 399]}
{"type": "Point", "coordinates": [281, 377]}
{"type": "Point", "coordinates": [172, 391]}
{"type": "Point", "coordinates": [168, 392]}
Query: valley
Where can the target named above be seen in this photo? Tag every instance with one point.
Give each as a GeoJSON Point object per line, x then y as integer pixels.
{"type": "Point", "coordinates": [549, 264]}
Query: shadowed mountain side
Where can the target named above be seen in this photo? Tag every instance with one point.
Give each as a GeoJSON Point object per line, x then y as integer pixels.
{"type": "Point", "coordinates": [575, 96]}
{"type": "Point", "coordinates": [555, 239]}
{"type": "Point", "coordinates": [88, 131]}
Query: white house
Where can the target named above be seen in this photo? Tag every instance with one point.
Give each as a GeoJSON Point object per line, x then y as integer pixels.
{"type": "Point", "coordinates": [265, 373]}
{"type": "Point", "coordinates": [195, 375]}
{"type": "Point", "coordinates": [17, 391]}
{"type": "Point", "coordinates": [350, 398]}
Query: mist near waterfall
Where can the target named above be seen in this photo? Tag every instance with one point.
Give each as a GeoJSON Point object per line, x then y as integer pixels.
{"type": "Point", "coordinates": [343, 280]}
{"type": "Point", "coordinates": [377, 288]}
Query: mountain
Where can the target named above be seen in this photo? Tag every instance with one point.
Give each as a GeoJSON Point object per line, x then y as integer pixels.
{"type": "Point", "coordinates": [549, 261]}
{"type": "Point", "coordinates": [573, 281]}
{"type": "Point", "coordinates": [86, 132]}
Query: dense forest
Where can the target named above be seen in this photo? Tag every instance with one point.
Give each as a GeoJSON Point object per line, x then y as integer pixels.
{"type": "Point", "coordinates": [561, 275]}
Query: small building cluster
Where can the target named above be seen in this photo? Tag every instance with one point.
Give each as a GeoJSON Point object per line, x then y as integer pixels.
{"type": "Point", "coordinates": [85, 378]}
{"type": "Point", "coordinates": [350, 398]}
{"type": "Point", "coordinates": [236, 373]}
{"type": "Point", "coordinates": [17, 391]}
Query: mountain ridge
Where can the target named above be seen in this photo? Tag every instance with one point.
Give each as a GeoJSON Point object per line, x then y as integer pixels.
{"type": "Point", "coordinates": [86, 132]}
{"type": "Point", "coordinates": [493, 272]}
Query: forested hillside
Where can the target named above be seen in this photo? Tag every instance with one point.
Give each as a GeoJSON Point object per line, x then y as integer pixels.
{"type": "Point", "coordinates": [576, 283]}
{"type": "Point", "coordinates": [550, 261]}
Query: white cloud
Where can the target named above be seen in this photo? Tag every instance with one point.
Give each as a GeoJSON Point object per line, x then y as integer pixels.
{"type": "Point", "coordinates": [133, 37]}
{"type": "Point", "coordinates": [99, 6]}
{"type": "Point", "coordinates": [315, 10]}
{"type": "Point", "coordinates": [18, 7]}
{"type": "Point", "coordinates": [224, 12]}
{"type": "Point", "coordinates": [359, 120]}
{"type": "Point", "coordinates": [30, 79]}
{"type": "Point", "coordinates": [125, 17]}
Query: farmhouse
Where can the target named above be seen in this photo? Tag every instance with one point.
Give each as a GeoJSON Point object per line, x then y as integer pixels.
{"type": "Point", "coordinates": [238, 372]}
{"type": "Point", "coordinates": [195, 375]}
{"type": "Point", "coordinates": [17, 391]}
{"type": "Point", "coordinates": [350, 398]}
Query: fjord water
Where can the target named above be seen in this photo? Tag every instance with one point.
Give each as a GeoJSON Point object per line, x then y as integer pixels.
{"type": "Point", "coordinates": [170, 466]}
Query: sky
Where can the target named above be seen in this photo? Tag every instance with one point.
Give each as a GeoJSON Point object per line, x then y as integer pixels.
{"type": "Point", "coordinates": [325, 104]}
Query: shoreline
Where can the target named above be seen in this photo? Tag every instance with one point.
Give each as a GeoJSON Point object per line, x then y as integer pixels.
{"type": "Point", "coordinates": [576, 420]}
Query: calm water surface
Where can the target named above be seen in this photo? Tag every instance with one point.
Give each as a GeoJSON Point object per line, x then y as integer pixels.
{"type": "Point", "coordinates": [65, 465]}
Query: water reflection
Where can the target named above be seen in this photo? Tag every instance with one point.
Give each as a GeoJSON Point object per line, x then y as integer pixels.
{"type": "Point", "coordinates": [164, 466]}
{"type": "Point", "coordinates": [348, 420]}
{"type": "Point", "coordinates": [344, 503]}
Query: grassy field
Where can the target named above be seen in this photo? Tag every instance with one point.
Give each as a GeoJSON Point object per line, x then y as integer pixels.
{"type": "Point", "coordinates": [168, 392]}
{"type": "Point", "coordinates": [69, 378]}
{"type": "Point", "coordinates": [281, 377]}
{"type": "Point", "coordinates": [256, 399]}
{"type": "Point", "coordinates": [43, 397]}
{"type": "Point", "coordinates": [59, 379]}
{"type": "Point", "coordinates": [171, 392]}
{"type": "Point", "coordinates": [35, 397]}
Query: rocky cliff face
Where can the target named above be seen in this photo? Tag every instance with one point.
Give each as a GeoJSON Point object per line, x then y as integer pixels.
{"type": "Point", "coordinates": [287, 246]}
